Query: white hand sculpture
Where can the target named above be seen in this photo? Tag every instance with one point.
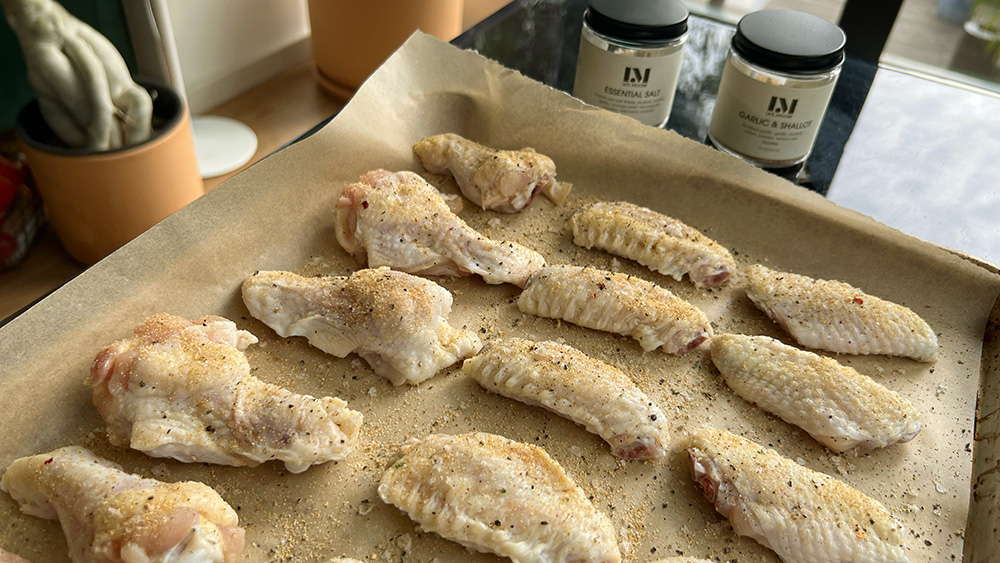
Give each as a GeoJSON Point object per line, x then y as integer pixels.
{"type": "Point", "coordinates": [84, 88]}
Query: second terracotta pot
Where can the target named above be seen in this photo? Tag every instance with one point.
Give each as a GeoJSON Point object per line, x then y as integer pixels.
{"type": "Point", "coordinates": [351, 38]}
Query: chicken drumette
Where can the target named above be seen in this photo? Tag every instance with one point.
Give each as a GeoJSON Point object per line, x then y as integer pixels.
{"type": "Point", "coordinates": [183, 389]}
{"type": "Point", "coordinates": [111, 516]}
{"type": "Point", "coordinates": [401, 221]}
{"type": "Point", "coordinates": [504, 181]}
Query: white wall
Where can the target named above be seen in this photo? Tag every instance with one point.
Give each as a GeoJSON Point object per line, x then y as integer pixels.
{"type": "Point", "coordinates": [226, 47]}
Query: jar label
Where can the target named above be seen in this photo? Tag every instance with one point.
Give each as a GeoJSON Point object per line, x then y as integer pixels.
{"type": "Point", "coordinates": [767, 122]}
{"type": "Point", "coordinates": [639, 87]}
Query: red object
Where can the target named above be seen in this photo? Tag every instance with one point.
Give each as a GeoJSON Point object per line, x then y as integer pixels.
{"type": "Point", "coordinates": [11, 180]}
{"type": "Point", "coordinates": [21, 213]}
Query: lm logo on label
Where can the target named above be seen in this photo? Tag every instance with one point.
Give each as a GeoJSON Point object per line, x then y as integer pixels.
{"type": "Point", "coordinates": [635, 75]}
{"type": "Point", "coordinates": [781, 105]}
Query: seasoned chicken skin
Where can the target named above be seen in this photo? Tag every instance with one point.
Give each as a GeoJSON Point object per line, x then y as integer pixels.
{"type": "Point", "coordinates": [183, 389]}
{"type": "Point", "coordinates": [803, 515]}
{"type": "Point", "coordinates": [493, 494]}
{"type": "Point", "coordinates": [681, 560]}
{"type": "Point", "coordinates": [504, 181]}
{"type": "Point", "coordinates": [8, 557]}
{"type": "Point", "coordinates": [396, 322]}
{"type": "Point", "coordinates": [661, 243]}
{"type": "Point", "coordinates": [109, 516]}
{"type": "Point", "coordinates": [834, 316]}
{"type": "Point", "coordinates": [616, 303]}
{"type": "Point", "coordinates": [841, 408]}
{"type": "Point", "coordinates": [401, 221]}
{"type": "Point", "coordinates": [572, 384]}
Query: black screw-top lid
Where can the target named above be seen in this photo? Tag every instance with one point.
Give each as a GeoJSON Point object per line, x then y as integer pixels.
{"type": "Point", "coordinates": [790, 41]}
{"type": "Point", "coordinates": [640, 21]}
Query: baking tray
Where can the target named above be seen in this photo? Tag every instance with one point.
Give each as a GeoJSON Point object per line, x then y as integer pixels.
{"type": "Point", "coordinates": [279, 215]}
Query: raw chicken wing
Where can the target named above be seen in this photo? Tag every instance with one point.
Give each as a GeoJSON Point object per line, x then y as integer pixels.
{"type": "Point", "coordinates": [493, 494]}
{"type": "Point", "coordinates": [397, 322]}
{"type": "Point", "coordinates": [661, 243]}
{"type": "Point", "coordinates": [616, 303]}
{"type": "Point", "coordinates": [841, 408]}
{"type": "Point", "coordinates": [401, 221]}
{"type": "Point", "coordinates": [834, 316]}
{"type": "Point", "coordinates": [583, 389]}
{"type": "Point", "coordinates": [504, 181]}
{"type": "Point", "coordinates": [110, 516]}
{"type": "Point", "coordinates": [183, 389]}
{"type": "Point", "coordinates": [8, 557]}
{"type": "Point", "coordinates": [803, 515]}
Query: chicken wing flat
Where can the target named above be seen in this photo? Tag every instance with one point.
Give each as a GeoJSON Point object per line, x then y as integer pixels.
{"type": "Point", "coordinates": [401, 221]}
{"type": "Point", "coordinates": [834, 316]}
{"type": "Point", "coordinates": [396, 322]}
{"type": "Point", "coordinates": [504, 181]}
{"type": "Point", "coordinates": [183, 389]}
{"type": "Point", "coordinates": [493, 494]}
{"type": "Point", "coordinates": [803, 515]}
{"type": "Point", "coordinates": [583, 389]}
{"type": "Point", "coordinates": [839, 407]}
{"type": "Point", "coordinates": [661, 243]}
{"type": "Point", "coordinates": [616, 303]}
{"type": "Point", "coordinates": [109, 516]}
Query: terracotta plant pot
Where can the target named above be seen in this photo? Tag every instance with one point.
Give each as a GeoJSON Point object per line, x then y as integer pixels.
{"type": "Point", "coordinates": [351, 39]}
{"type": "Point", "coordinates": [98, 201]}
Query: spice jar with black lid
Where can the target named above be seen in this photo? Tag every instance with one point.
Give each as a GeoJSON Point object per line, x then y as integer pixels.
{"type": "Point", "coordinates": [776, 85]}
{"type": "Point", "coordinates": [630, 57]}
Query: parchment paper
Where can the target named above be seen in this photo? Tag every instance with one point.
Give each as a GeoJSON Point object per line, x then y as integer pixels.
{"type": "Point", "coordinates": [278, 215]}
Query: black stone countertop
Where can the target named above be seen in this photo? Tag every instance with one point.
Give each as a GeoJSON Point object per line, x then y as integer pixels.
{"type": "Point", "coordinates": [917, 154]}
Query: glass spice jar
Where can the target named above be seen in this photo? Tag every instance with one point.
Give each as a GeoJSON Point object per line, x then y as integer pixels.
{"type": "Point", "coordinates": [630, 57]}
{"type": "Point", "coordinates": [776, 85]}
